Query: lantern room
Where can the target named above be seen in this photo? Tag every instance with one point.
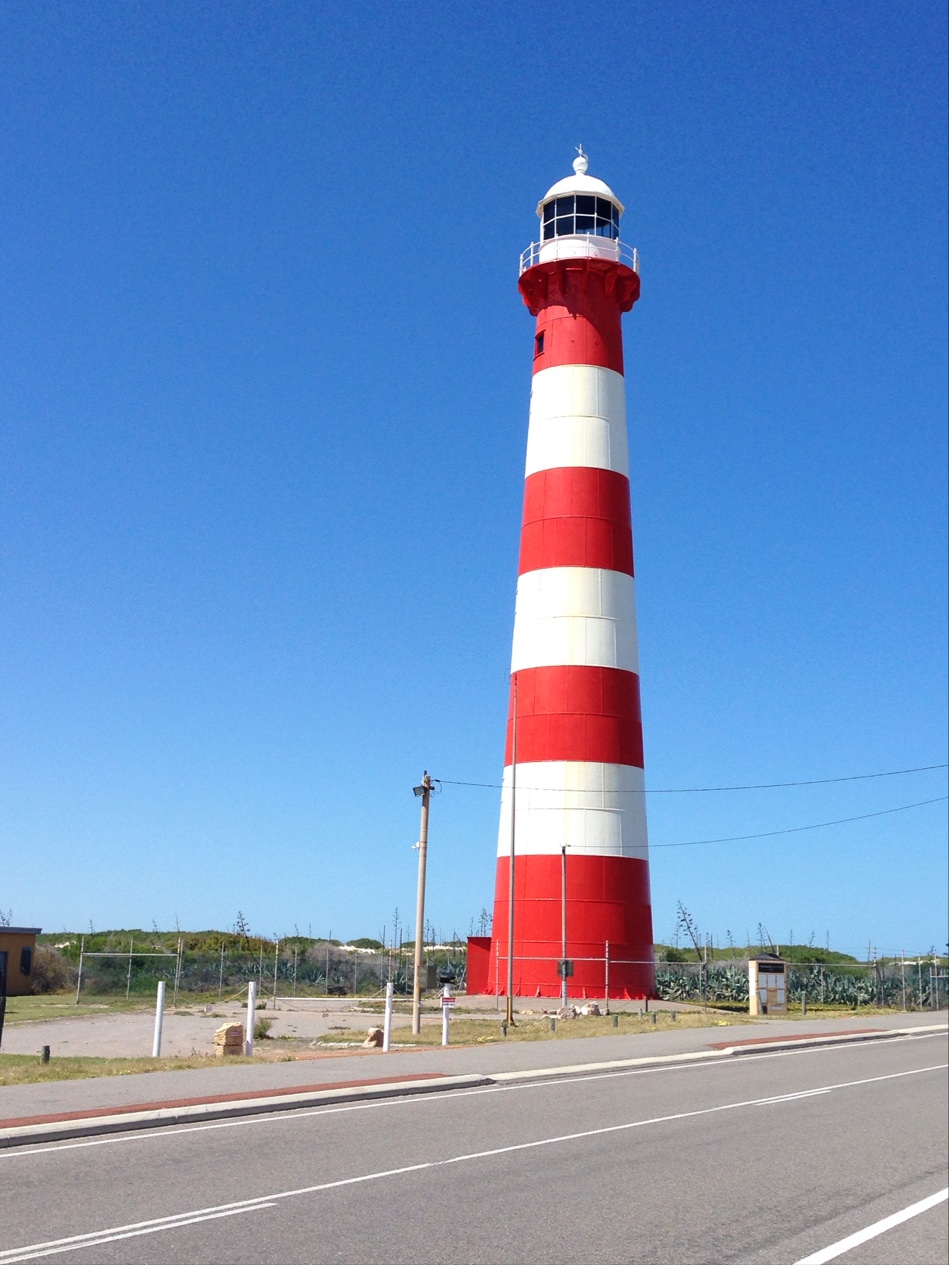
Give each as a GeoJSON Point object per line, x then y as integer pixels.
{"type": "Point", "coordinates": [579, 219]}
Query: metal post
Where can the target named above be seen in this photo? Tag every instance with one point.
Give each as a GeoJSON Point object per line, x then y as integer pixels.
{"type": "Point", "coordinates": [295, 953]}
{"type": "Point", "coordinates": [606, 975]}
{"type": "Point", "coordinates": [251, 1009]}
{"type": "Point", "coordinates": [82, 950]}
{"type": "Point", "coordinates": [425, 791]}
{"type": "Point", "coordinates": [563, 924]}
{"type": "Point", "coordinates": [387, 1018]}
{"type": "Point", "coordinates": [220, 978]}
{"type": "Point", "coordinates": [128, 977]}
{"type": "Point", "coordinates": [178, 968]}
{"type": "Point", "coordinates": [446, 992]}
{"type": "Point", "coordinates": [903, 976]}
{"type": "Point", "coordinates": [509, 1015]}
{"type": "Point", "coordinates": [159, 1009]}
{"type": "Point", "coordinates": [276, 961]}
{"type": "Point", "coordinates": [328, 942]}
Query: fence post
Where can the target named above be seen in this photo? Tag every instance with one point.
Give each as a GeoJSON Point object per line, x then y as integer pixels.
{"type": "Point", "coordinates": [178, 968]}
{"type": "Point", "coordinates": [82, 950]}
{"type": "Point", "coordinates": [387, 1020]}
{"type": "Point", "coordinates": [903, 976]}
{"type": "Point", "coordinates": [220, 978]}
{"type": "Point", "coordinates": [251, 1008]}
{"type": "Point", "coordinates": [159, 1009]}
{"type": "Point", "coordinates": [276, 962]}
{"type": "Point", "coordinates": [128, 978]}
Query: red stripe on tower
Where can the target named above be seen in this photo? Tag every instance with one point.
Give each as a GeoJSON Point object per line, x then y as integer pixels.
{"type": "Point", "coordinates": [576, 517]}
{"type": "Point", "coordinates": [572, 804]}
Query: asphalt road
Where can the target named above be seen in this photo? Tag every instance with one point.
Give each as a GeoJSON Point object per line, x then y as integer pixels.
{"type": "Point", "coordinates": [764, 1159]}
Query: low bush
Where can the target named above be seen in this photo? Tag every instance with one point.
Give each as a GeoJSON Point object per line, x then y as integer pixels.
{"type": "Point", "coordinates": [51, 972]}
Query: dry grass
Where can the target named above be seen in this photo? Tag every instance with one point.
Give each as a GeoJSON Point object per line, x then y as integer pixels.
{"type": "Point", "coordinates": [63, 1006]}
{"type": "Point", "coordinates": [532, 1027]}
{"type": "Point", "coordinates": [26, 1069]}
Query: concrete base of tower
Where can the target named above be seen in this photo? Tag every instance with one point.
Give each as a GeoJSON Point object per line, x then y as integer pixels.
{"type": "Point", "coordinates": [609, 930]}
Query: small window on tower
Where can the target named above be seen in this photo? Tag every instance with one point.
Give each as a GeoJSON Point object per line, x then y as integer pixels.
{"type": "Point", "coordinates": [539, 345]}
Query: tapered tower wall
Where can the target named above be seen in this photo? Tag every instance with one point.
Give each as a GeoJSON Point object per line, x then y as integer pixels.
{"type": "Point", "coordinates": [574, 749]}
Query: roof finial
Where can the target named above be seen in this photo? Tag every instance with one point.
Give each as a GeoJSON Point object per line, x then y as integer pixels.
{"type": "Point", "coordinates": [581, 164]}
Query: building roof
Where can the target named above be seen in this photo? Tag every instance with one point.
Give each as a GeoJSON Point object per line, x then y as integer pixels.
{"type": "Point", "coordinates": [580, 182]}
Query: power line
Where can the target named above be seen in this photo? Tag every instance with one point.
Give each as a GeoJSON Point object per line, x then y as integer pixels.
{"type": "Point", "coordinates": [695, 790]}
{"type": "Point", "coordinates": [819, 825]}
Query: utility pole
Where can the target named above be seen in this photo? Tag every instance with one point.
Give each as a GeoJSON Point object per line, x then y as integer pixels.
{"type": "Point", "coordinates": [425, 792]}
{"type": "Point", "coordinates": [509, 1009]}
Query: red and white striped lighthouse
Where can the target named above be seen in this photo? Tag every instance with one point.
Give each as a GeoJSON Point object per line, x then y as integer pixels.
{"type": "Point", "coordinates": [572, 806]}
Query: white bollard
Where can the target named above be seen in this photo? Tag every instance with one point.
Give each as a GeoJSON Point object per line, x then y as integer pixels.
{"type": "Point", "coordinates": [159, 1009]}
{"type": "Point", "coordinates": [446, 993]}
{"type": "Point", "coordinates": [387, 1021]}
{"type": "Point", "coordinates": [251, 1007]}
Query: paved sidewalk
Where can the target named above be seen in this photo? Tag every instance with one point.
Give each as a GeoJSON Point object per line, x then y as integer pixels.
{"type": "Point", "coordinates": [74, 1108]}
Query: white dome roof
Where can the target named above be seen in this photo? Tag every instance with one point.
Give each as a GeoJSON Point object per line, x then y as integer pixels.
{"type": "Point", "coordinates": [580, 182]}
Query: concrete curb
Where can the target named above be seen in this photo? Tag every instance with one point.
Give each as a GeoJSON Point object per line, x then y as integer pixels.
{"type": "Point", "coordinates": [55, 1130]}
{"type": "Point", "coordinates": [835, 1038]}
{"type": "Point", "coordinates": [127, 1121]}
{"type": "Point", "coordinates": [728, 1051]}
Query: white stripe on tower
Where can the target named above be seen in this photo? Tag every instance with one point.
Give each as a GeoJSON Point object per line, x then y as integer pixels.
{"type": "Point", "coordinates": [577, 418]}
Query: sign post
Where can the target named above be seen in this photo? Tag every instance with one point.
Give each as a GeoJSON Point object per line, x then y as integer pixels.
{"type": "Point", "coordinates": [448, 1004]}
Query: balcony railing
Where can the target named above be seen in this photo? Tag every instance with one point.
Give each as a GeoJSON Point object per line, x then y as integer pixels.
{"type": "Point", "coordinates": [597, 248]}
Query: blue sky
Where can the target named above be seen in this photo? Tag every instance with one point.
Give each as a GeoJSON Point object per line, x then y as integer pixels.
{"type": "Point", "coordinates": [264, 376]}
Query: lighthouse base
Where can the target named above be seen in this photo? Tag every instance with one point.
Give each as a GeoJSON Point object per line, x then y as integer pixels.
{"type": "Point", "coordinates": [609, 930]}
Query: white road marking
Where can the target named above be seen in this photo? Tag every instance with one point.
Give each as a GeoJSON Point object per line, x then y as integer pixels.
{"type": "Point", "coordinates": [421, 1100]}
{"type": "Point", "coordinates": [52, 1246]}
{"type": "Point", "coordinates": [76, 1241]}
{"type": "Point", "coordinates": [804, 1093]}
{"type": "Point", "coordinates": [879, 1227]}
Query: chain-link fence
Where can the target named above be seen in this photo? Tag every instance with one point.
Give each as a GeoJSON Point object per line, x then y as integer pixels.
{"type": "Point", "coordinates": [319, 971]}
{"type": "Point", "coordinates": [919, 984]}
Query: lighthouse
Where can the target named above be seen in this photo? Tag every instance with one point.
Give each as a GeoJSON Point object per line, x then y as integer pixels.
{"type": "Point", "coordinates": [572, 878]}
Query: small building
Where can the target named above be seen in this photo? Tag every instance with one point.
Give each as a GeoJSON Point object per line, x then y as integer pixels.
{"type": "Point", "coordinates": [17, 947]}
{"type": "Point", "coordinates": [767, 985]}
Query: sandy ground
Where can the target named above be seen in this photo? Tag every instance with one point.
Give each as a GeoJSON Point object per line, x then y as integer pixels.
{"type": "Point", "coordinates": [185, 1030]}
{"type": "Point", "coordinates": [190, 1029]}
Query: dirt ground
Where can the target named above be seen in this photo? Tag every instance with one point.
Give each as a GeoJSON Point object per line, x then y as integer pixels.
{"type": "Point", "coordinates": [190, 1030]}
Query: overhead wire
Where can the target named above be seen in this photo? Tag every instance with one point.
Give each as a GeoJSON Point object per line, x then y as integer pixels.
{"type": "Point", "coordinates": [703, 790]}
{"type": "Point", "coordinates": [764, 834]}
{"type": "Point", "coordinates": [790, 830]}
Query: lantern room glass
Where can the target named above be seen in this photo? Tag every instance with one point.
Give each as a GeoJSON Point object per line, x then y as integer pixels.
{"type": "Point", "coordinates": [580, 213]}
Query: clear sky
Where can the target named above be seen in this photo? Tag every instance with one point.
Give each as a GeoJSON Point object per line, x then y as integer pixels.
{"type": "Point", "coordinates": [264, 378]}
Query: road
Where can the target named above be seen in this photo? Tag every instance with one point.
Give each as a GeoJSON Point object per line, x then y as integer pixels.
{"type": "Point", "coordinates": [763, 1159]}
